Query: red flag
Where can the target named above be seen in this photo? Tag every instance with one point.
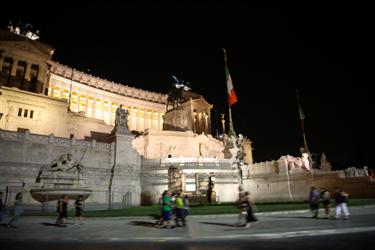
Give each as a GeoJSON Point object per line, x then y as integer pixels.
{"type": "Point", "coordinates": [232, 98]}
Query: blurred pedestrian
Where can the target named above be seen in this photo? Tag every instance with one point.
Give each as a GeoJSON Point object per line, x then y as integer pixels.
{"type": "Point", "coordinates": [161, 219]}
{"type": "Point", "coordinates": [314, 201]}
{"type": "Point", "coordinates": [78, 204]}
{"type": "Point", "coordinates": [17, 210]}
{"type": "Point", "coordinates": [242, 216]}
{"type": "Point", "coordinates": [326, 201]}
{"type": "Point", "coordinates": [186, 207]}
{"type": "Point", "coordinates": [341, 199]}
{"type": "Point", "coordinates": [179, 209]}
{"type": "Point", "coordinates": [2, 206]}
{"type": "Point", "coordinates": [62, 209]}
{"type": "Point", "coordinates": [247, 208]}
{"type": "Point", "coordinates": [167, 211]}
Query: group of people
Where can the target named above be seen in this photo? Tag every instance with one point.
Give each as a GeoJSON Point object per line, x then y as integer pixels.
{"type": "Point", "coordinates": [173, 206]}
{"type": "Point", "coordinates": [323, 196]}
{"type": "Point", "coordinates": [62, 210]}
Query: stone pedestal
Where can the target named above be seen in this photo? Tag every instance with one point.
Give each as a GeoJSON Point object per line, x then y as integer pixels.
{"type": "Point", "coordinates": [125, 185]}
{"type": "Point", "coordinates": [176, 120]}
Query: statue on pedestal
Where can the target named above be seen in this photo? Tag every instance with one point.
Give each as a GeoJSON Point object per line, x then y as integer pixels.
{"type": "Point", "coordinates": [324, 164]}
{"type": "Point", "coordinates": [175, 93]}
{"type": "Point", "coordinates": [121, 121]}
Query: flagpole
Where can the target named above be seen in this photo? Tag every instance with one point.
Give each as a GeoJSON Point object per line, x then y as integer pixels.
{"type": "Point", "coordinates": [302, 117]}
{"type": "Point", "coordinates": [231, 127]}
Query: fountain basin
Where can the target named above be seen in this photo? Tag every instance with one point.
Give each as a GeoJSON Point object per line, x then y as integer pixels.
{"type": "Point", "coordinates": [44, 195]}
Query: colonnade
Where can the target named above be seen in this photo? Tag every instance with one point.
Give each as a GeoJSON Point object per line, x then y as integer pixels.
{"type": "Point", "coordinates": [103, 107]}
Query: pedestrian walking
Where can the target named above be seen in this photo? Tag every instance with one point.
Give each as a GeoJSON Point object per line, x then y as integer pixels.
{"type": "Point", "coordinates": [161, 219]}
{"type": "Point", "coordinates": [247, 208]}
{"type": "Point", "coordinates": [242, 216]}
{"type": "Point", "coordinates": [341, 199]}
{"type": "Point", "coordinates": [179, 210]}
{"type": "Point", "coordinates": [326, 201]}
{"type": "Point", "coordinates": [167, 211]}
{"type": "Point", "coordinates": [62, 209]}
{"type": "Point", "coordinates": [314, 202]}
{"type": "Point", "coordinates": [17, 211]}
{"type": "Point", "coordinates": [2, 206]}
{"type": "Point", "coordinates": [78, 204]}
{"type": "Point", "coordinates": [186, 206]}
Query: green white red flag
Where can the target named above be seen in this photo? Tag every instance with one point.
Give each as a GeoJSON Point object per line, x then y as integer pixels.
{"type": "Point", "coordinates": [232, 98]}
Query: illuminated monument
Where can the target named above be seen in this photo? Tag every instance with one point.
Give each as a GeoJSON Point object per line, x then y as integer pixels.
{"type": "Point", "coordinates": [62, 130]}
{"type": "Point", "coordinates": [50, 110]}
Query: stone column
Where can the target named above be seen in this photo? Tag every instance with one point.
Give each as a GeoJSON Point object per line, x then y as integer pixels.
{"type": "Point", "coordinates": [209, 122]}
{"type": "Point", "coordinates": [42, 73]}
{"type": "Point", "coordinates": [102, 114]}
{"type": "Point", "coordinates": [27, 71]}
{"type": "Point", "coordinates": [152, 120]}
{"type": "Point", "coordinates": [94, 107]}
{"type": "Point", "coordinates": [52, 89]}
{"type": "Point", "coordinates": [132, 119]}
{"type": "Point", "coordinates": [144, 119]}
{"type": "Point", "coordinates": [138, 113]}
{"type": "Point", "coordinates": [159, 120]}
{"type": "Point", "coordinates": [78, 100]}
{"type": "Point", "coordinates": [87, 105]}
{"type": "Point", "coordinates": [14, 66]}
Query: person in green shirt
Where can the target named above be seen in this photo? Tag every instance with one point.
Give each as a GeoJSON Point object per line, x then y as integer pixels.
{"type": "Point", "coordinates": [167, 210]}
{"type": "Point", "coordinates": [180, 209]}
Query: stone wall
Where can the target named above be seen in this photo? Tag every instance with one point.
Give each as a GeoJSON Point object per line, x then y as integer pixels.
{"type": "Point", "coordinates": [23, 155]}
{"type": "Point", "coordinates": [276, 182]}
{"type": "Point", "coordinates": [114, 171]}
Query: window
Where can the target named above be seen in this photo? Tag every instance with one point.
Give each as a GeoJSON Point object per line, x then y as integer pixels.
{"type": "Point", "coordinates": [25, 113]}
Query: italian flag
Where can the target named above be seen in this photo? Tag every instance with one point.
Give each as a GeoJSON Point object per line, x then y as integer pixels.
{"type": "Point", "coordinates": [232, 98]}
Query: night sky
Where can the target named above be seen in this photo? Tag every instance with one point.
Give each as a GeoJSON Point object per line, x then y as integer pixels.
{"type": "Point", "coordinates": [325, 51]}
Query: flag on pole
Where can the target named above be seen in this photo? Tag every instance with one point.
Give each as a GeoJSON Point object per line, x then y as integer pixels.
{"type": "Point", "coordinates": [232, 98]}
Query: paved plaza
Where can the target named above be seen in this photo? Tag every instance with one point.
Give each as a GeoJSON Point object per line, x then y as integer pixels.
{"type": "Point", "coordinates": [275, 225]}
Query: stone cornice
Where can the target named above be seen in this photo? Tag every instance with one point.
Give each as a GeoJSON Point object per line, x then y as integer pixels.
{"type": "Point", "coordinates": [96, 82]}
{"type": "Point", "coordinates": [17, 93]}
{"type": "Point", "coordinates": [51, 139]}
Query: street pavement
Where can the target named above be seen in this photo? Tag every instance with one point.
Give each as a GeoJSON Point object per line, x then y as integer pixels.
{"type": "Point", "coordinates": [271, 226]}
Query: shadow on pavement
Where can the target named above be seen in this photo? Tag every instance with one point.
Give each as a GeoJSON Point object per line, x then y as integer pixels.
{"type": "Point", "coordinates": [143, 223]}
{"type": "Point", "coordinates": [220, 224]}
{"type": "Point", "coordinates": [49, 224]}
{"type": "Point", "coordinates": [301, 217]}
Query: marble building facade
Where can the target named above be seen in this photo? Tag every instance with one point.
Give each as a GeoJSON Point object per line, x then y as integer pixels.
{"type": "Point", "coordinates": [49, 110]}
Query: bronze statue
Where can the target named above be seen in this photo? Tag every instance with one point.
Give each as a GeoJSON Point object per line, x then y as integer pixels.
{"type": "Point", "coordinates": [175, 93]}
